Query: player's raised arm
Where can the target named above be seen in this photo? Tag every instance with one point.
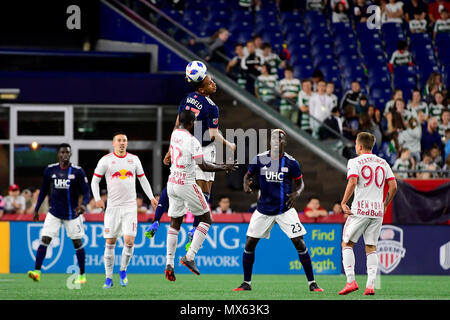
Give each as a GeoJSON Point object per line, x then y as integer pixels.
{"type": "Point", "coordinates": [214, 167]}
{"type": "Point", "coordinates": [42, 194]}
{"type": "Point", "coordinates": [214, 132]}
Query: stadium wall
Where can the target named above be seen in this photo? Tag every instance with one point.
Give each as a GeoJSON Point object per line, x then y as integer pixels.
{"type": "Point", "coordinates": [402, 250]}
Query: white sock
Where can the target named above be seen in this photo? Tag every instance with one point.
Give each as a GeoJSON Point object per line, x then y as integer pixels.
{"type": "Point", "coordinates": [127, 253]}
{"type": "Point", "coordinates": [348, 260]}
{"type": "Point", "coordinates": [372, 266]}
{"type": "Point", "coordinates": [172, 241]}
{"type": "Point", "coordinates": [197, 241]}
{"type": "Point", "coordinates": [109, 259]}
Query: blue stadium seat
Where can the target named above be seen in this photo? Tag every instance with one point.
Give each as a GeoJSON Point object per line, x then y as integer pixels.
{"type": "Point", "coordinates": [266, 27]}
{"type": "Point", "coordinates": [383, 81]}
{"type": "Point", "coordinates": [300, 59]}
{"type": "Point", "coordinates": [323, 59]}
{"type": "Point", "coordinates": [342, 27]}
{"type": "Point", "coordinates": [290, 17]}
{"type": "Point", "coordinates": [320, 37]}
{"type": "Point", "coordinates": [243, 36]}
{"type": "Point", "coordinates": [322, 48]}
{"type": "Point", "coordinates": [316, 28]}
{"type": "Point", "coordinates": [299, 49]}
{"type": "Point", "coordinates": [381, 93]}
{"type": "Point", "coordinates": [375, 61]}
{"type": "Point", "coordinates": [303, 71]}
{"type": "Point", "coordinates": [241, 15]}
{"type": "Point", "coordinates": [293, 38]}
{"type": "Point", "coordinates": [219, 15]}
{"type": "Point", "coordinates": [404, 71]}
{"type": "Point", "coordinates": [238, 26]}
{"type": "Point", "coordinates": [329, 71]}
{"type": "Point", "coordinates": [424, 72]}
{"type": "Point", "coordinates": [349, 60]}
{"type": "Point", "coordinates": [353, 71]}
{"type": "Point", "coordinates": [346, 49]}
{"type": "Point", "coordinates": [292, 26]}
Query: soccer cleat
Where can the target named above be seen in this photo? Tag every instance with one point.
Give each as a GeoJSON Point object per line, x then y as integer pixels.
{"type": "Point", "coordinates": [370, 291]}
{"type": "Point", "coordinates": [35, 275]}
{"type": "Point", "coordinates": [243, 287]}
{"type": "Point", "coordinates": [151, 230]}
{"type": "Point", "coordinates": [123, 278]}
{"type": "Point", "coordinates": [190, 236]}
{"type": "Point", "coordinates": [81, 279]}
{"type": "Point", "coordinates": [314, 287]}
{"type": "Point", "coordinates": [349, 287]}
{"type": "Point", "coordinates": [170, 273]}
{"type": "Point", "coordinates": [190, 264]}
{"type": "Point", "coordinates": [108, 283]}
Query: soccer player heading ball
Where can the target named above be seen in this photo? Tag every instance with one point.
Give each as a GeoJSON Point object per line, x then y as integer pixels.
{"type": "Point", "coordinates": [276, 170]}
{"type": "Point", "coordinates": [366, 176]}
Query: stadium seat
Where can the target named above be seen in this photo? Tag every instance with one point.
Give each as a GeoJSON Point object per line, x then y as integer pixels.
{"type": "Point", "coordinates": [238, 26]}
{"type": "Point", "coordinates": [322, 48]}
{"type": "Point", "coordinates": [290, 16]}
{"type": "Point", "coordinates": [303, 71]}
{"type": "Point", "coordinates": [323, 59]}
{"type": "Point", "coordinates": [342, 27]}
{"type": "Point", "coordinates": [322, 37]}
{"type": "Point", "coordinates": [292, 26]}
{"type": "Point", "coordinates": [241, 15]}
{"type": "Point", "coordinates": [300, 59]}
{"type": "Point", "coordinates": [297, 37]}
{"type": "Point", "coordinates": [404, 71]}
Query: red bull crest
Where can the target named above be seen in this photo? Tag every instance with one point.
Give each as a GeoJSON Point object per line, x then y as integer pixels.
{"type": "Point", "coordinates": [122, 174]}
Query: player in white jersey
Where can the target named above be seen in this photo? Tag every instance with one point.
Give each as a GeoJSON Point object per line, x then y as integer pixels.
{"type": "Point", "coordinates": [367, 174]}
{"type": "Point", "coordinates": [120, 170]}
{"type": "Point", "coordinates": [184, 193]}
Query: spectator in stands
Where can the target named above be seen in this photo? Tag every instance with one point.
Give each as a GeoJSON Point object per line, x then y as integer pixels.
{"type": "Point", "coordinates": [233, 68]}
{"type": "Point", "coordinates": [44, 206]}
{"type": "Point", "coordinates": [14, 202]}
{"type": "Point", "coordinates": [405, 162]}
{"type": "Point", "coordinates": [330, 93]}
{"type": "Point", "coordinates": [320, 106]}
{"type": "Point", "coordinates": [224, 206]}
{"type": "Point", "coordinates": [442, 25]}
{"type": "Point", "coordinates": [375, 115]}
{"type": "Point", "coordinates": [444, 123]}
{"type": "Point", "coordinates": [362, 106]}
{"type": "Point", "coordinates": [435, 109]}
{"type": "Point", "coordinates": [393, 12]}
{"type": "Point", "coordinates": [216, 47]}
{"type": "Point", "coordinates": [418, 24]}
{"type": "Point", "coordinates": [366, 124]}
{"type": "Point", "coordinates": [28, 196]}
{"type": "Point", "coordinates": [316, 5]}
{"type": "Point", "coordinates": [435, 8]}
{"type": "Point", "coordinates": [266, 86]}
{"type": "Point", "coordinates": [413, 7]}
{"type": "Point", "coordinates": [2, 206]}
{"type": "Point", "coordinates": [313, 208]}
{"type": "Point", "coordinates": [410, 138]}
{"type": "Point", "coordinates": [429, 99]}
{"type": "Point", "coordinates": [397, 94]}
{"type": "Point", "coordinates": [434, 79]}
{"type": "Point", "coordinates": [272, 59]}
{"type": "Point", "coordinates": [334, 121]}
{"type": "Point", "coordinates": [430, 134]}
{"type": "Point", "coordinates": [290, 88]}
{"type": "Point", "coordinates": [92, 208]}
{"type": "Point", "coordinates": [337, 209]}
{"type": "Point", "coordinates": [436, 155]}
{"type": "Point", "coordinates": [104, 196]}
{"type": "Point", "coordinates": [316, 77]}
{"type": "Point", "coordinates": [257, 40]}
{"type": "Point", "coordinates": [251, 65]}
{"type": "Point", "coordinates": [352, 96]}
{"type": "Point", "coordinates": [303, 103]}
{"type": "Point", "coordinates": [350, 126]}
{"type": "Point", "coordinates": [426, 164]}
{"type": "Point", "coordinates": [246, 4]}
{"type": "Point", "coordinates": [142, 207]}
{"type": "Point", "coordinates": [446, 166]}
{"type": "Point", "coordinates": [360, 11]}
{"type": "Point", "coordinates": [401, 56]}
{"type": "Point", "coordinates": [396, 119]}
{"type": "Point", "coordinates": [416, 106]}
{"type": "Point", "coordinates": [340, 13]}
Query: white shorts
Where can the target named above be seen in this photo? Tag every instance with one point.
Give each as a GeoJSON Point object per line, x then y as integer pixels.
{"type": "Point", "coordinates": [120, 221]}
{"type": "Point", "coordinates": [356, 225]}
{"type": "Point", "coordinates": [260, 224]}
{"type": "Point", "coordinates": [52, 224]}
{"type": "Point", "coordinates": [183, 197]}
{"type": "Point", "coordinates": [209, 154]}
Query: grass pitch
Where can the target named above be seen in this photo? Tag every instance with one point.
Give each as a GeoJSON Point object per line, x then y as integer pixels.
{"type": "Point", "coordinates": [219, 287]}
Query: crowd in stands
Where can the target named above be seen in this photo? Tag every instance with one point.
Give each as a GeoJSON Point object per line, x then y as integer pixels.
{"type": "Point", "coordinates": [413, 124]}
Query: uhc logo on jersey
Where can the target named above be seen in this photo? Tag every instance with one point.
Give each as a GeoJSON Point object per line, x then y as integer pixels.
{"type": "Point", "coordinates": [61, 183]}
{"type": "Point", "coordinates": [272, 176]}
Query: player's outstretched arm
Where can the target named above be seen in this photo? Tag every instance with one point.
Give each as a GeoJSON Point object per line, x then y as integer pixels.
{"type": "Point", "coordinates": [247, 182]}
{"type": "Point", "coordinates": [214, 132]}
{"type": "Point", "coordinates": [392, 184]}
{"type": "Point", "coordinates": [214, 167]}
{"type": "Point", "coordinates": [351, 185]}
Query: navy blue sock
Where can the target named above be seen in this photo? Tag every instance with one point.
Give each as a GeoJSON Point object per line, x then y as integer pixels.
{"type": "Point", "coordinates": [40, 256]}
{"type": "Point", "coordinates": [305, 260]}
{"type": "Point", "coordinates": [248, 259]}
{"type": "Point", "coordinates": [163, 205]}
{"type": "Point", "coordinates": [81, 257]}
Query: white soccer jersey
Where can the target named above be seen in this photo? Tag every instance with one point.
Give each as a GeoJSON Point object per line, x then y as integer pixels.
{"type": "Point", "coordinates": [120, 174]}
{"type": "Point", "coordinates": [372, 173]}
{"type": "Point", "coordinates": [184, 149]}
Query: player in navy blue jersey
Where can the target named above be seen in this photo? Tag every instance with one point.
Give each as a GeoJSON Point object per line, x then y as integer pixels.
{"type": "Point", "coordinates": [206, 130]}
{"type": "Point", "coordinates": [276, 170]}
{"type": "Point", "coordinates": [63, 182]}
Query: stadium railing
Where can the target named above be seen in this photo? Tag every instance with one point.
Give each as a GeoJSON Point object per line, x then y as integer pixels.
{"type": "Point", "coordinates": [329, 151]}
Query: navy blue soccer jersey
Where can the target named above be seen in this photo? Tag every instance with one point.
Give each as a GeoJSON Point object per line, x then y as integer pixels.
{"type": "Point", "coordinates": [275, 180]}
{"type": "Point", "coordinates": [206, 114]}
{"type": "Point", "coordinates": [64, 186]}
